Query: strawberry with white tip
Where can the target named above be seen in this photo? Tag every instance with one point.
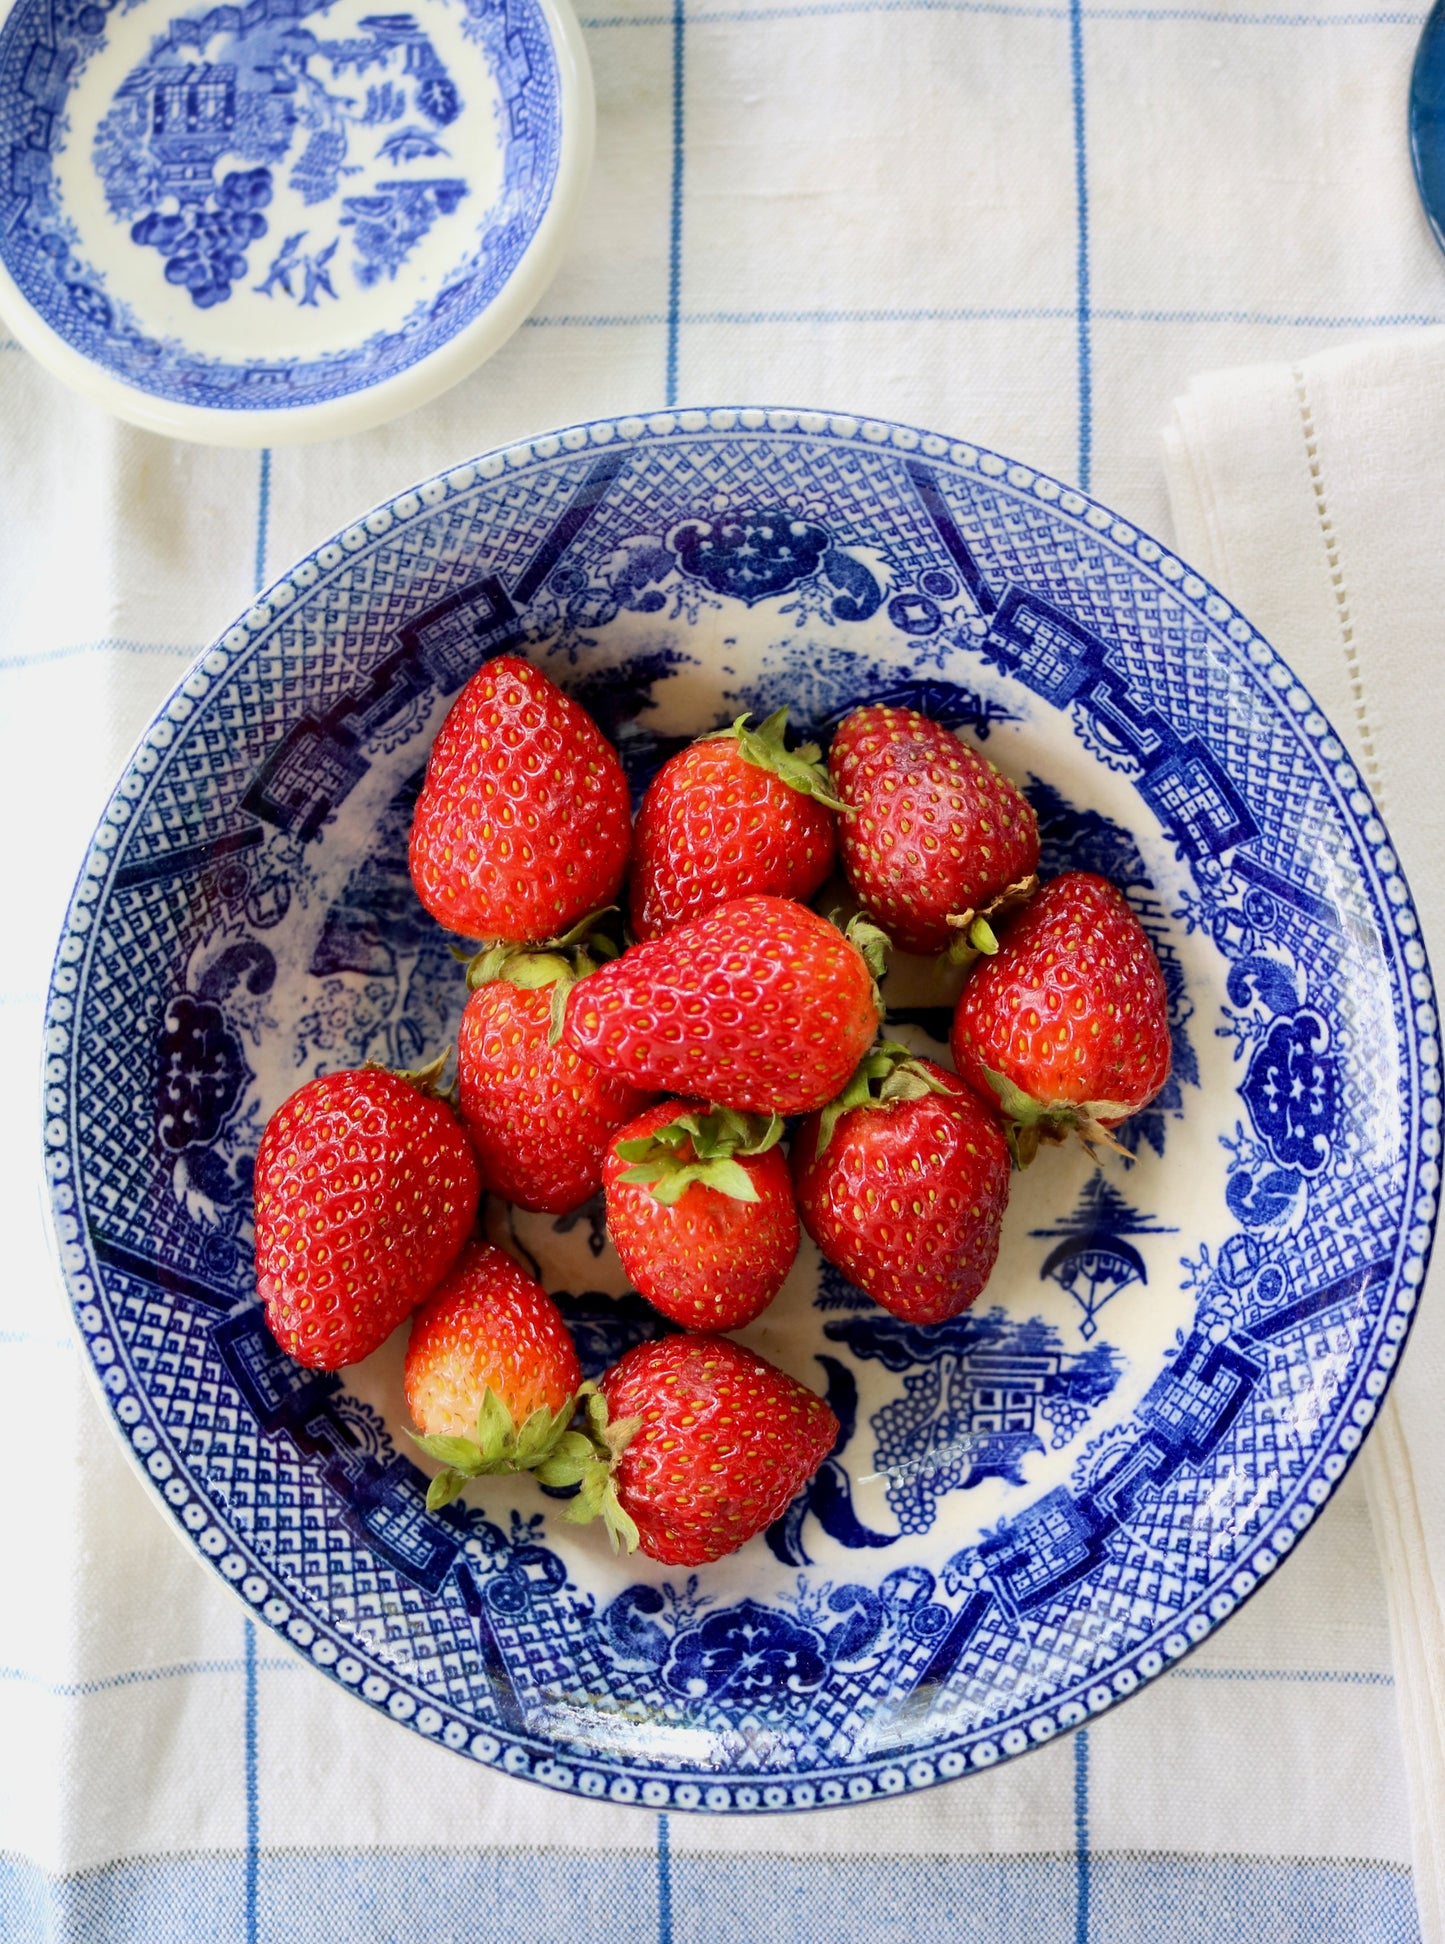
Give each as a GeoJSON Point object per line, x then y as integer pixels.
{"type": "Point", "coordinates": [491, 1374]}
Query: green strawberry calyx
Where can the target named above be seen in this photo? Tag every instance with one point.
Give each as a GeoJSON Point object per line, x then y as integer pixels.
{"type": "Point", "coordinates": [587, 1458]}
{"type": "Point", "coordinates": [888, 1072]}
{"type": "Point", "coordinates": [802, 769]}
{"type": "Point", "coordinates": [699, 1146]}
{"type": "Point", "coordinates": [1029, 1122]}
{"type": "Point", "coordinates": [873, 945]}
{"type": "Point", "coordinates": [975, 934]}
{"type": "Point", "coordinates": [427, 1079]}
{"type": "Point", "coordinates": [557, 963]}
{"type": "Point", "coordinates": [500, 1445]}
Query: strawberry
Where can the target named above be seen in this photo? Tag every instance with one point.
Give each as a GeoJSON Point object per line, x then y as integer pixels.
{"type": "Point", "coordinates": [936, 838]}
{"type": "Point", "coordinates": [365, 1190]}
{"type": "Point", "coordinates": [1068, 1026]}
{"type": "Point", "coordinates": [762, 1005]}
{"type": "Point", "coordinates": [902, 1183]}
{"type": "Point", "coordinates": [701, 1211]}
{"type": "Point", "coordinates": [692, 1446]}
{"type": "Point", "coordinates": [733, 815]}
{"type": "Point", "coordinates": [491, 1374]}
{"type": "Point", "coordinates": [539, 1115]}
{"type": "Point", "coordinates": [523, 822]}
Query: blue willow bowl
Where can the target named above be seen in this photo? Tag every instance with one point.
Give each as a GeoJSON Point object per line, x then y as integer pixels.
{"type": "Point", "coordinates": [284, 220]}
{"type": "Point", "coordinates": [1030, 1510]}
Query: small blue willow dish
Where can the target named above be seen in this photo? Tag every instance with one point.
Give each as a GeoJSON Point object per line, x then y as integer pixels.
{"type": "Point", "coordinates": [1032, 1509]}
{"type": "Point", "coordinates": [281, 220]}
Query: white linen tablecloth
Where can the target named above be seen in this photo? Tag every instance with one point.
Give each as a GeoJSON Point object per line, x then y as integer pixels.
{"type": "Point", "coordinates": [1029, 224]}
{"type": "Point", "coordinates": [1308, 490]}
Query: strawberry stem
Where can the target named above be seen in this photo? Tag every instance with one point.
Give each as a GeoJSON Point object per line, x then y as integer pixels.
{"type": "Point", "coordinates": [552, 963]}
{"type": "Point", "coordinates": [589, 1462]}
{"type": "Point", "coordinates": [498, 1446]}
{"type": "Point", "coordinates": [887, 1072]}
{"type": "Point", "coordinates": [802, 769]}
{"type": "Point", "coordinates": [700, 1145]}
{"type": "Point", "coordinates": [1030, 1122]}
{"type": "Point", "coordinates": [973, 933]}
{"type": "Point", "coordinates": [426, 1079]}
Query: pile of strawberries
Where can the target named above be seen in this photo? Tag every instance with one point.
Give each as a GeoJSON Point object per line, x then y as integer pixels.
{"type": "Point", "coordinates": [661, 1063]}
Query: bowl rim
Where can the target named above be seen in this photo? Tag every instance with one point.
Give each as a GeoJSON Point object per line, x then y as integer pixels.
{"type": "Point", "coordinates": [1221, 1599]}
{"type": "Point", "coordinates": [369, 406]}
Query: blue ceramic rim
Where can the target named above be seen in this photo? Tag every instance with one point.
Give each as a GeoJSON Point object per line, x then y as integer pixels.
{"type": "Point", "coordinates": [621, 1777]}
{"type": "Point", "coordinates": [1428, 157]}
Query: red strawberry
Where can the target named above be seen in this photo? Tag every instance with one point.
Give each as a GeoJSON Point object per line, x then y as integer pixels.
{"type": "Point", "coordinates": [902, 1183]}
{"type": "Point", "coordinates": [762, 1005]}
{"type": "Point", "coordinates": [491, 1373]}
{"type": "Point", "coordinates": [937, 837]}
{"type": "Point", "coordinates": [365, 1190]}
{"type": "Point", "coordinates": [694, 1445]}
{"type": "Point", "coordinates": [523, 823]}
{"type": "Point", "coordinates": [701, 1211]}
{"type": "Point", "coordinates": [734, 815]}
{"type": "Point", "coordinates": [540, 1117]}
{"type": "Point", "coordinates": [1068, 1026]}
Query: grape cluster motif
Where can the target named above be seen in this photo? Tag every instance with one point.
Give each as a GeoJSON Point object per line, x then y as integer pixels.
{"type": "Point", "coordinates": [205, 248]}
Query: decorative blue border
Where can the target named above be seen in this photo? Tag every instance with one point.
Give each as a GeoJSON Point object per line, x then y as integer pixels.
{"type": "Point", "coordinates": [45, 46]}
{"type": "Point", "coordinates": [622, 1778]}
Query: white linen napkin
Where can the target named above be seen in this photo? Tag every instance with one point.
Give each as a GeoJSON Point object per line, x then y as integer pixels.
{"type": "Point", "coordinates": [1311, 493]}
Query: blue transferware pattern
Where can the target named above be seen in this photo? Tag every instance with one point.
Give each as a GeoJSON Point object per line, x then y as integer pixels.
{"type": "Point", "coordinates": [377, 176]}
{"type": "Point", "coordinates": [1029, 1510]}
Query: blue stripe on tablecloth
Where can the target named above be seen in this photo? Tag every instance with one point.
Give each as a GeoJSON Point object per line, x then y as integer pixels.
{"type": "Point", "coordinates": [394, 1897]}
{"type": "Point", "coordinates": [674, 219]}
{"type": "Point", "coordinates": [1081, 1837]}
{"type": "Point", "coordinates": [142, 1676]}
{"type": "Point", "coordinates": [263, 516]}
{"type": "Point", "coordinates": [664, 1883]}
{"type": "Point", "coordinates": [1338, 1677]}
{"type": "Point", "coordinates": [994, 314]}
{"type": "Point", "coordinates": [106, 646]}
{"type": "Point", "coordinates": [253, 1790]}
{"type": "Point", "coordinates": [817, 9]}
{"type": "Point", "coordinates": [1081, 196]}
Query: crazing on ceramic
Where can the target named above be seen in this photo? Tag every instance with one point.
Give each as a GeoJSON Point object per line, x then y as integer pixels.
{"type": "Point", "coordinates": [273, 204]}
{"type": "Point", "coordinates": [1031, 1509]}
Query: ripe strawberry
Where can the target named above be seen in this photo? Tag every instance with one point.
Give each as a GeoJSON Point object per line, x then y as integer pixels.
{"type": "Point", "coordinates": [734, 815]}
{"type": "Point", "coordinates": [693, 1445]}
{"type": "Point", "coordinates": [1068, 1026]}
{"type": "Point", "coordinates": [523, 823]}
{"type": "Point", "coordinates": [762, 1005]}
{"type": "Point", "coordinates": [540, 1117]}
{"type": "Point", "coordinates": [902, 1183]}
{"type": "Point", "coordinates": [365, 1190]}
{"type": "Point", "coordinates": [937, 838]}
{"type": "Point", "coordinates": [491, 1374]}
{"type": "Point", "coordinates": [701, 1211]}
